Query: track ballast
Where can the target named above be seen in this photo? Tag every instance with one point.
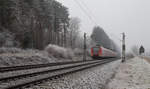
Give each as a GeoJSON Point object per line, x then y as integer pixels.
{"type": "Point", "coordinates": [20, 76]}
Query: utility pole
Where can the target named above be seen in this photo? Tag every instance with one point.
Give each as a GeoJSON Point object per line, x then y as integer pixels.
{"type": "Point", "coordinates": [84, 54]}
{"type": "Point", "coordinates": [65, 39]}
{"type": "Point", "coordinates": [123, 47]}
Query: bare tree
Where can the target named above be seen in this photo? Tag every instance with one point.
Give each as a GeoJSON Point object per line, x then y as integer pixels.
{"type": "Point", "coordinates": [74, 26]}
{"type": "Point", "coordinates": [135, 50]}
{"type": "Point", "coordinates": [100, 37]}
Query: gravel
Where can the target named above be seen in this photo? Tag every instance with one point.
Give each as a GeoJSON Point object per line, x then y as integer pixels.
{"type": "Point", "coordinates": [93, 78]}
{"type": "Point", "coordinates": [20, 72]}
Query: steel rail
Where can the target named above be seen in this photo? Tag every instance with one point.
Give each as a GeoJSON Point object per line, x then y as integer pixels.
{"type": "Point", "coordinates": [64, 70]}
{"type": "Point", "coordinates": [46, 71]}
{"type": "Point", "coordinates": [24, 67]}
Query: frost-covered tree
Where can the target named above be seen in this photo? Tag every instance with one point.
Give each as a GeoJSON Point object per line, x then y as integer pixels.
{"type": "Point", "coordinates": [74, 26]}
{"type": "Point", "coordinates": [34, 23]}
{"type": "Point", "coordinates": [99, 36]}
{"type": "Point", "coordinates": [135, 50]}
{"type": "Point", "coordinates": [6, 11]}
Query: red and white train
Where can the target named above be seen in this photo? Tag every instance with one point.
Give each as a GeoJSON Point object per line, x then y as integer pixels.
{"type": "Point", "coordinates": [101, 52]}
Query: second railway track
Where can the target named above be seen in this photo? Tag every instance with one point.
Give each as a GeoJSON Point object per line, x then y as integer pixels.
{"type": "Point", "coordinates": [20, 76]}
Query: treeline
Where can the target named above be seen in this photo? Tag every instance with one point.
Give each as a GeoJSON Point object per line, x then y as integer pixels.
{"type": "Point", "coordinates": [37, 23]}
{"type": "Point", "coordinates": [100, 37]}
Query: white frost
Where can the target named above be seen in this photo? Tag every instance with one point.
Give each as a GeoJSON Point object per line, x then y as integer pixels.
{"type": "Point", "coordinates": [59, 52]}
{"type": "Point", "coordinates": [15, 56]}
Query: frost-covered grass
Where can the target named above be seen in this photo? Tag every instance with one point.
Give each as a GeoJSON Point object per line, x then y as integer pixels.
{"type": "Point", "coordinates": [10, 50]}
{"type": "Point", "coordinates": [15, 56]}
{"type": "Point", "coordinates": [23, 57]}
{"type": "Point", "coordinates": [134, 74]}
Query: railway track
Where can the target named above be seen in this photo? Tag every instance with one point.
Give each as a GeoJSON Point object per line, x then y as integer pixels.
{"type": "Point", "coordinates": [20, 76]}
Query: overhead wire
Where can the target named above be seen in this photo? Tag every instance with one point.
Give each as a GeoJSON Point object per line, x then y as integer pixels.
{"type": "Point", "coordinates": [85, 12]}
{"type": "Point", "coordinates": [88, 12]}
{"type": "Point", "coordinates": [116, 37]}
{"type": "Point", "coordinates": [95, 18]}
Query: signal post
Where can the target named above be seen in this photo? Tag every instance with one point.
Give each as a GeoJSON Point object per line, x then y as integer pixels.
{"type": "Point", "coordinates": [84, 53]}
{"type": "Point", "coordinates": [123, 47]}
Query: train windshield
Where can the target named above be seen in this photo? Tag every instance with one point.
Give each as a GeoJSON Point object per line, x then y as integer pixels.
{"type": "Point", "coordinates": [95, 50]}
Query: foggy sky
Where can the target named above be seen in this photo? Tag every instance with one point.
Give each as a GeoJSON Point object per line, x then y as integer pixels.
{"type": "Point", "coordinates": [115, 17]}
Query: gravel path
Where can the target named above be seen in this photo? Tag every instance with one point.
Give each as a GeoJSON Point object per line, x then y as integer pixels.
{"type": "Point", "coordinates": [134, 74]}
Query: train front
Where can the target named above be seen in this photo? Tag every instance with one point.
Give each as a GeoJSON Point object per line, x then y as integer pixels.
{"type": "Point", "coordinates": [96, 52]}
{"type": "Point", "coordinates": [101, 52]}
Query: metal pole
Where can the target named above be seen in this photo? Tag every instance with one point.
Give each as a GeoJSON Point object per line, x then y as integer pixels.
{"type": "Point", "coordinates": [65, 31]}
{"type": "Point", "coordinates": [84, 56]}
{"type": "Point", "coordinates": [123, 47]}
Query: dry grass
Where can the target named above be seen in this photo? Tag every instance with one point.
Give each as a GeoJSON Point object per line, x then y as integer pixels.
{"type": "Point", "coordinates": [147, 59]}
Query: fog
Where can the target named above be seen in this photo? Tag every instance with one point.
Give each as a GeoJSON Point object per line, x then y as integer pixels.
{"type": "Point", "coordinates": [115, 17]}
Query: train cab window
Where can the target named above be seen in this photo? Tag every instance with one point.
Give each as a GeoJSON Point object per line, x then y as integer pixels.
{"type": "Point", "coordinates": [96, 50]}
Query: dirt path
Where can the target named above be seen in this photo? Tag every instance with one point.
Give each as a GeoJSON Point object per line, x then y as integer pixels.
{"type": "Point", "coordinates": [147, 59]}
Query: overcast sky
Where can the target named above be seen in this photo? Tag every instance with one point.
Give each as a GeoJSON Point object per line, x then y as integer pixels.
{"type": "Point", "coordinates": [115, 17]}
